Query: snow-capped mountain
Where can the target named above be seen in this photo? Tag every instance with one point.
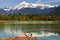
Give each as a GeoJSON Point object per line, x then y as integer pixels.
{"type": "Point", "coordinates": [27, 8]}
{"type": "Point", "coordinates": [21, 5]}
{"type": "Point", "coordinates": [31, 5]}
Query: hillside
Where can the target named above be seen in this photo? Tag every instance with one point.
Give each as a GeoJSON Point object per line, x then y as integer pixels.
{"type": "Point", "coordinates": [55, 12]}
{"type": "Point", "coordinates": [27, 8]}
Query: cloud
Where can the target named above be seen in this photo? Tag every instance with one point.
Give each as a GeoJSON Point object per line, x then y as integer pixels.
{"type": "Point", "coordinates": [49, 2]}
{"type": "Point", "coordinates": [45, 1]}
{"type": "Point", "coordinates": [52, 1]}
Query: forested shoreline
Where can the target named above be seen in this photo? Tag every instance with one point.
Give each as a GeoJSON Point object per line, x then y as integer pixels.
{"type": "Point", "coordinates": [29, 17]}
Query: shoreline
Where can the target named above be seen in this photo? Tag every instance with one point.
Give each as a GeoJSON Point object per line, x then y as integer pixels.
{"type": "Point", "coordinates": [20, 21]}
{"type": "Point", "coordinates": [28, 22]}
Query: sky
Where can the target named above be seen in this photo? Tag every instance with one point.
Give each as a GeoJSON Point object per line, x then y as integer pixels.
{"type": "Point", "coordinates": [9, 3]}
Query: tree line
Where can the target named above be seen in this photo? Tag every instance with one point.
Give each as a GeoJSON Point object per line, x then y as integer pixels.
{"type": "Point", "coordinates": [29, 17]}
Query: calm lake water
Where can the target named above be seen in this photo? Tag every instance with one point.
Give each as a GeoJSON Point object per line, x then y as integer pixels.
{"type": "Point", "coordinates": [41, 30]}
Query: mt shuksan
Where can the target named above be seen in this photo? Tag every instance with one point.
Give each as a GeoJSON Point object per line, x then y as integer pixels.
{"type": "Point", "coordinates": [27, 8]}
{"type": "Point", "coordinates": [30, 5]}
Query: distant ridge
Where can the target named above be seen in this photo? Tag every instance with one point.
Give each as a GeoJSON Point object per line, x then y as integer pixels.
{"type": "Point", "coordinates": [28, 8]}
{"type": "Point", "coordinates": [55, 12]}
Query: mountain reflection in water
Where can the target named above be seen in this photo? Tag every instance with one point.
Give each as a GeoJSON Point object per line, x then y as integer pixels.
{"type": "Point", "coordinates": [37, 30]}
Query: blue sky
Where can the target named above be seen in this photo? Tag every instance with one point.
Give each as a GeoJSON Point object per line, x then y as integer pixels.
{"type": "Point", "coordinates": [4, 3]}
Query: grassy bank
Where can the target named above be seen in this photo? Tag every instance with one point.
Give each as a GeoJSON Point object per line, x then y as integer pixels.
{"type": "Point", "coordinates": [30, 38]}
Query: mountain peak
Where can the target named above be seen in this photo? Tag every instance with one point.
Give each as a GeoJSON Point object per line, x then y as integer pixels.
{"type": "Point", "coordinates": [21, 5]}
{"type": "Point", "coordinates": [25, 4]}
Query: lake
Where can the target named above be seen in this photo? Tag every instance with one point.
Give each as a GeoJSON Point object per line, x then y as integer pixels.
{"type": "Point", "coordinates": [42, 30]}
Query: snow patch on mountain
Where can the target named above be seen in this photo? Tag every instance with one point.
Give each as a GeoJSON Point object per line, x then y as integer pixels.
{"type": "Point", "coordinates": [7, 8]}
{"type": "Point", "coordinates": [31, 5]}
{"type": "Point", "coordinates": [27, 8]}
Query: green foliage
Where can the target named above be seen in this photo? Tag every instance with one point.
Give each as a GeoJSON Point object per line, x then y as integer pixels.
{"type": "Point", "coordinates": [29, 17]}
